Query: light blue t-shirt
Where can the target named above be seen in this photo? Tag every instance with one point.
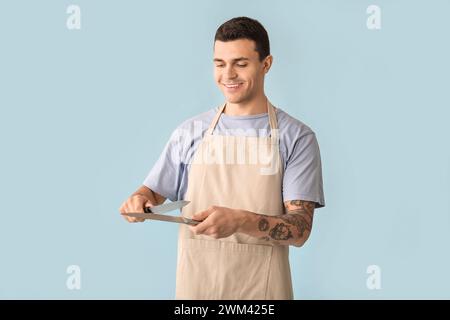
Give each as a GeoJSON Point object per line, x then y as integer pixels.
{"type": "Point", "coordinates": [299, 149]}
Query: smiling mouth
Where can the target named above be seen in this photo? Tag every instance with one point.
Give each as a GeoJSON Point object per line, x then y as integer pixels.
{"type": "Point", "coordinates": [232, 85]}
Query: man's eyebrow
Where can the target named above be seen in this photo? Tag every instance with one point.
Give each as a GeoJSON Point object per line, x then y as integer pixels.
{"type": "Point", "coordinates": [234, 60]}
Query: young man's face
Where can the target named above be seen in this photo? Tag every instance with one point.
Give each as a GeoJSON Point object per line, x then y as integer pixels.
{"type": "Point", "coordinates": [238, 71]}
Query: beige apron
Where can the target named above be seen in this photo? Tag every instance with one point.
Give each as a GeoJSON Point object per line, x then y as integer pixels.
{"type": "Point", "coordinates": [226, 171]}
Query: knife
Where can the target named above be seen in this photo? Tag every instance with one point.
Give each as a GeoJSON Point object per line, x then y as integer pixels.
{"type": "Point", "coordinates": [154, 213]}
{"type": "Point", "coordinates": [167, 207]}
{"type": "Point", "coordinates": [162, 217]}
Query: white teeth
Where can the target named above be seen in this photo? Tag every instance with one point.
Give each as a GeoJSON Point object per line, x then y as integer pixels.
{"type": "Point", "coordinates": [232, 85]}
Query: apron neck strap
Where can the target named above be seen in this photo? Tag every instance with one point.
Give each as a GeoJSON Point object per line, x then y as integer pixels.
{"type": "Point", "coordinates": [272, 120]}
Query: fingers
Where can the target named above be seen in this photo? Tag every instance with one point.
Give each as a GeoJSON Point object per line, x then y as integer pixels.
{"type": "Point", "coordinates": [202, 215]}
{"type": "Point", "coordinates": [206, 228]}
{"type": "Point", "coordinates": [202, 227]}
{"type": "Point", "coordinates": [130, 219]}
{"type": "Point", "coordinates": [137, 204]}
{"type": "Point", "coordinates": [134, 203]}
{"type": "Point", "coordinates": [148, 204]}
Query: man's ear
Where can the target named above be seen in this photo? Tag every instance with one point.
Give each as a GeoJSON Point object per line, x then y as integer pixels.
{"type": "Point", "coordinates": [267, 63]}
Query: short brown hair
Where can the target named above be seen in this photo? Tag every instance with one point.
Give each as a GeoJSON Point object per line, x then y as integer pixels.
{"type": "Point", "coordinates": [245, 28]}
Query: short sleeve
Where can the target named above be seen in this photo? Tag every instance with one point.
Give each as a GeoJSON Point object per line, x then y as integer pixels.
{"type": "Point", "coordinates": [165, 176]}
{"type": "Point", "coordinates": [302, 178]}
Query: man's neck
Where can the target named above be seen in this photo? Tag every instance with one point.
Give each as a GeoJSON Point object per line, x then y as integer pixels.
{"type": "Point", "coordinates": [257, 105]}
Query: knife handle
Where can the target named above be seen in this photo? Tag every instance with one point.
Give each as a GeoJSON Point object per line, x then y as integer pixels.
{"type": "Point", "coordinates": [148, 209]}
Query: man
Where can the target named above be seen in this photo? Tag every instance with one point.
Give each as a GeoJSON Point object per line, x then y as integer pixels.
{"type": "Point", "coordinates": [253, 178]}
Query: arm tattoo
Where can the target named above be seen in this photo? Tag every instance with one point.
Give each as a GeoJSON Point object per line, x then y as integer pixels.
{"type": "Point", "coordinates": [298, 221]}
{"type": "Point", "coordinates": [280, 232]}
{"type": "Point", "coordinates": [300, 206]}
{"type": "Point", "coordinates": [298, 216]}
{"type": "Point", "coordinates": [263, 224]}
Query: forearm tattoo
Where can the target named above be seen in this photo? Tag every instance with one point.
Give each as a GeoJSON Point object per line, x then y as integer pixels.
{"type": "Point", "coordinates": [297, 219]}
{"type": "Point", "coordinates": [280, 232]}
{"type": "Point", "coordinates": [302, 207]}
{"type": "Point", "coordinates": [263, 224]}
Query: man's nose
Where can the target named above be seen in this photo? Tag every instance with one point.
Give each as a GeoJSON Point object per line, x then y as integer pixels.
{"type": "Point", "coordinates": [230, 73]}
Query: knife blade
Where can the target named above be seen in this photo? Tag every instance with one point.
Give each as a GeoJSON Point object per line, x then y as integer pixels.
{"type": "Point", "coordinates": [167, 207]}
{"type": "Point", "coordinates": [162, 217]}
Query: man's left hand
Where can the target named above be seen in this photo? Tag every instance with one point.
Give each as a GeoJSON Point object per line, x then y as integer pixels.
{"type": "Point", "coordinates": [218, 222]}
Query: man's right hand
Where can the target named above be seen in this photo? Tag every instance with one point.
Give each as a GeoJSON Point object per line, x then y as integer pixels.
{"type": "Point", "coordinates": [135, 203]}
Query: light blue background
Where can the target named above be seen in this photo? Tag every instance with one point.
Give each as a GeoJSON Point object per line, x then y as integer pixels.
{"type": "Point", "coordinates": [85, 114]}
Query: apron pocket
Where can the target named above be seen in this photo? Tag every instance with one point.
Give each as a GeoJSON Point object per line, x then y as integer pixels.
{"type": "Point", "coordinates": [197, 270]}
{"type": "Point", "coordinates": [213, 269]}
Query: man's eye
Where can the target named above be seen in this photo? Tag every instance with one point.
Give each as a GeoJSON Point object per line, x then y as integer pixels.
{"type": "Point", "coordinates": [219, 65]}
{"type": "Point", "coordinates": [242, 65]}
